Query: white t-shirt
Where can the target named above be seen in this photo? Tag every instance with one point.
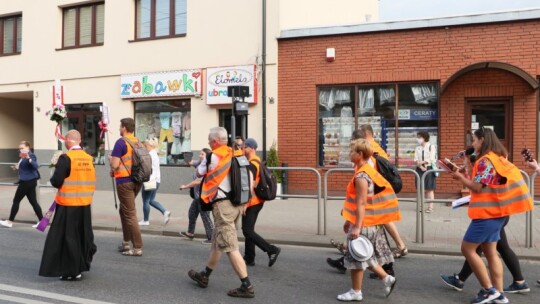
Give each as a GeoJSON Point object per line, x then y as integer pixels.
{"type": "Point", "coordinates": [156, 173]}
{"type": "Point", "coordinates": [225, 185]}
{"type": "Point", "coordinates": [427, 153]}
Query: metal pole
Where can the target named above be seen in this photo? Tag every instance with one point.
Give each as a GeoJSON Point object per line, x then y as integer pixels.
{"type": "Point", "coordinates": [263, 80]}
{"type": "Point", "coordinates": [233, 121]}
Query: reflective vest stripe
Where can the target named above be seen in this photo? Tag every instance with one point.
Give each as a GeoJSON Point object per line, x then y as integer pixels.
{"type": "Point", "coordinates": [213, 179]}
{"type": "Point", "coordinates": [78, 188]}
{"type": "Point", "coordinates": [380, 208]}
{"type": "Point", "coordinates": [76, 194]}
{"type": "Point", "coordinates": [494, 201]}
{"type": "Point", "coordinates": [81, 183]}
{"type": "Point", "coordinates": [483, 204]}
{"type": "Point", "coordinates": [126, 161]}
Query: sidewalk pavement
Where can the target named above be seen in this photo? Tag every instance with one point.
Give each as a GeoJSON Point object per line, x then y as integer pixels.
{"type": "Point", "coordinates": [293, 221]}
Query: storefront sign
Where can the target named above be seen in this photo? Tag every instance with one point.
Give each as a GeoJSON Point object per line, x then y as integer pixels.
{"type": "Point", "coordinates": [418, 114]}
{"type": "Point", "coordinates": [174, 83]}
{"type": "Point", "coordinates": [218, 79]}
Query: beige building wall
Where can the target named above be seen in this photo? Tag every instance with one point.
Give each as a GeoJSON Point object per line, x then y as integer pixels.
{"type": "Point", "coordinates": [318, 13]}
{"type": "Point", "coordinates": [218, 34]}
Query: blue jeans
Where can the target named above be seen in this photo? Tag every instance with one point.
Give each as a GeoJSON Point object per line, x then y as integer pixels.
{"type": "Point", "coordinates": [149, 199]}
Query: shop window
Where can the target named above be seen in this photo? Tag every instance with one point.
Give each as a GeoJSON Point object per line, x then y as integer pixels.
{"type": "Point", "coordinates": [170, 122]}
{"type": "Point", "coordinates": [336, 124]}
{"type": "Point", "coordinates": [10, 35]}
{"type": "Point", "coordinates": [418, 111]}
{"type": "Point", "coordinates": [160, 18]}
{"type": "Point", "coordinates": [85, 118]}
{"type": "Point", "coordinates": [83, 25]}
{"type": "Point", "coordinates": [341, 111]}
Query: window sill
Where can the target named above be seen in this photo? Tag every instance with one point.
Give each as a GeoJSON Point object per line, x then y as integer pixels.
{"type": "Point", "coordinates": [79, 47]}
{"type": "Point", "coordinates": [157, 38]}
{"type": "Point", "coordinates": [10, 54]}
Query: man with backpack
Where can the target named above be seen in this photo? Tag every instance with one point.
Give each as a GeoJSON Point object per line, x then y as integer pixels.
{"type": "Point", "coordinates": [122, 161]}
{"type": "Point", "coordinates": [215, 191]}
{"type": "Point", "coordinates": [252, 211]}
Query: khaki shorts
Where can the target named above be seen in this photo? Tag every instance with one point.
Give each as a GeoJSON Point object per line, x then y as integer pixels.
{"type": "Point", "coordinates": [226, 216]}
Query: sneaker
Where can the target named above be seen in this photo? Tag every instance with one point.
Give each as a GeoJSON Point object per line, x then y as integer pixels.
{"type": "Point", "coordinates": [6, 224]}
{"type": "Point", "coordinates": [166, 217]}
{"type": "Point", "coordinates": [501, 299]}
{"type": "Point", "coordinates": [350, 295]}
{"type": "Point", "coordinates": [207, 242]}
{"type": "Point", "coordinates": [198, 277]}
{"type": "Point", "coordinates": [389, 284]}
{"type": "Point", "coordinates": [517, 288]}
{"type": "Point", "coordinates": [486, 296]}
{"type": "Point", "coordinates": [242, 292]}
{"type": "Point", "coordinates": [337, 264]}
{"type": "Point", "coordinates": [144, 223]}
{"type": "Point", "coordinates": [186, 234]}
{"type": "Point", "coordinates": [35, 226]}
{"type": "Point", "coordinates": [272, 257]}
{"type": "Point", "coordinates": [453, 281]}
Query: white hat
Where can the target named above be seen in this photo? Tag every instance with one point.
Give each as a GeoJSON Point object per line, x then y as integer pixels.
{"type": "Point", "coordinates": [361, 248]}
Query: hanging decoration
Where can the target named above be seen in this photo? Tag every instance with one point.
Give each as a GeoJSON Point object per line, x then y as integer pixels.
{"type": "Point", "coordinates": [58, 111]}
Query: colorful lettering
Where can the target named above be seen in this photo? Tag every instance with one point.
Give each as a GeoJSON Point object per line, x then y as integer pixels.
{"type": "Point", "coordinates": [174, 85]}
{"type": "Point", "coordinates": [148, 88]}
{"type": "Point", "coordinates": [187, 83]}
{"type": "Point", "coordinates": [136, 87]}
{"type": "Point", "coordinates": [125, 88]}
{"type": "Point", "coordinates": [160, 87]}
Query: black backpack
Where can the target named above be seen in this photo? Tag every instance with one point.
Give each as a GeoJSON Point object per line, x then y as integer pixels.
{"type": "Point", "coordinates": [240, 193]}
{"type": "Point", "coordinates": [389, 172]}
{"type": "Point", "coordinates": [266, 189]}
{"type": "Point", "coordinates": [141, 162]}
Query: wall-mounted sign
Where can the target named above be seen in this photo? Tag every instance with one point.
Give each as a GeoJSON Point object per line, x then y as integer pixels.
{"type": "Point", "coordinates": [416, 114]}
{"type": "Point", "coordinates": [218, 79]}
{"type": "Point", "coordinates": [173, 83]}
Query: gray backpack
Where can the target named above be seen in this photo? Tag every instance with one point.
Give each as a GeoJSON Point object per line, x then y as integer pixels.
{"type": "Point", "coordinates": [141, 167]}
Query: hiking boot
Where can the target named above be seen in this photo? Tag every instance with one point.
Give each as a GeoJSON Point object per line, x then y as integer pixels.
{"type": "Point", "coordinates": [453, 281]}
{"type": "Point", "coordinates": [242, 292]}
{"type": "Point", "coordinates": [272, 257]}
{"type": "Point", "coordinates": [198, 277]}
{"type": "Point", "coordinates": [517, 288]}
{"type": "Point", "coordinates": [337, 264]}
{"type": "Point", "coordinates": [486, 296]}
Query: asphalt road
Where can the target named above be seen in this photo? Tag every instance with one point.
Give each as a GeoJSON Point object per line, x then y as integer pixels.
{"type": "Point", "coordinates": [160, 275]}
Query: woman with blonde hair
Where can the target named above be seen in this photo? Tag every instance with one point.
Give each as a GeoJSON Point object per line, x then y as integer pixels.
{"type": "Point", "coordinates": [370, 203]}
{"type": "Point", "coordinates": [149, 195]}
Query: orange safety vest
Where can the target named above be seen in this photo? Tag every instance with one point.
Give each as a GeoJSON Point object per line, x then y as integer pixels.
{"type": "Point", "coordinates": [213, 178]}
{"type": "Point", "coordinates": [78, 188]}
{"type": "Point", "coordinates": [379, 150]}
{"type": "Point", "coordinates": [124, 170]}
{"type": "Point", "coordinates": [381, 208]}
{"type": "Point", "coordinates": [256, 161]}
{"type": "Point", "coordinates": [495, 201]}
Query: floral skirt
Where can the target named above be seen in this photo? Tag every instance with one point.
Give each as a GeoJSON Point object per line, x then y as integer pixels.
{"type": "Point", "coordinates": [382, 253]}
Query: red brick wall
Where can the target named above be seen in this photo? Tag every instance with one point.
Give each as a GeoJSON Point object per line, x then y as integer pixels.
{"type": "Point", "coordinates": [409, 55]}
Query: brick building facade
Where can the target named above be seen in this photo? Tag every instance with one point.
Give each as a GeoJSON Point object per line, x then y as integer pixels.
{"type": "Point", "coordinates": [476, 64]}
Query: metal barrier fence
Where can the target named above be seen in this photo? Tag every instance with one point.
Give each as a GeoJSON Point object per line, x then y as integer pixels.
{"type": "Point", "coordinates": [528, 223]}
{"type": "Point", "coordinates": [320, 211]}
{"type": "Point", "coordinates": [417, 199]}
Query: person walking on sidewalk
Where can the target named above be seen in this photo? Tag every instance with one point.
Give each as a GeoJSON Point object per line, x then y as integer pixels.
{"type": "Point", "coordinates": [370, 202]}
{"type": "Point", "coordinates": [69, 247]}
{"type": "Point", "coordinates": [425, 154]}
{"type": "Point", "coordinates": [28, 178]}
{"type": "Point", "coordinates": [497, 191]}
{"type": "Point", "coordinates": [216, 186]}
{"type": "Point", "coordinates": [149, 196]}
{"type": "Point", "coordinates": [195, 207]}
{"type": "Point", "coordinates": [121, 161]}
{"type": "Point", "coordinates": [252, 210]}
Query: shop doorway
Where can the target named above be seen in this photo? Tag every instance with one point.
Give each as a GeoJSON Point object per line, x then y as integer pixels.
{"type": "Point", "coordinates": [495, 114]}
{"type": "Point", "coordinates": [85, 118]}
{"type": "Point", "coordinates": [241, 125]}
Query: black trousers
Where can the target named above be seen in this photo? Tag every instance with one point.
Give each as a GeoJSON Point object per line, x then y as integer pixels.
{"type": "Point", "coordinates": [28, 189]}
{"type": "Point", "coordinates": [507, 254]}
{"type": "Point", "coordinates": [251, 237]}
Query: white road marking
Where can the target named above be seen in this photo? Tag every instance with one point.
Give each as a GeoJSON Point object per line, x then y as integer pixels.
{"type": "Point", "coordinates": [21, 300]}
{"type": "Point", "coordinates": [45, 294]}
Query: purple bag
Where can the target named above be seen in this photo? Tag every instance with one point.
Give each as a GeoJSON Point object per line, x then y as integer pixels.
{"type": "Point", "coordinates": [44, 222]}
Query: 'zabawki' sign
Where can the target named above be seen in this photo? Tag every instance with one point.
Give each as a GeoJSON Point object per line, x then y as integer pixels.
{"type": "Point", "coordinates": [218, 79]}
{"type": "Point", "coordinates": [173, 83]}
